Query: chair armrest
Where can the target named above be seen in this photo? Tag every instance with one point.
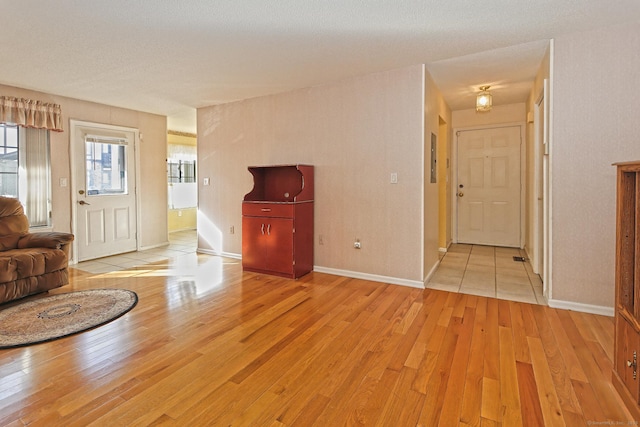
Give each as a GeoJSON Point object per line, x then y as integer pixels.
{"type": "Point", "coordinates": [49, 239]}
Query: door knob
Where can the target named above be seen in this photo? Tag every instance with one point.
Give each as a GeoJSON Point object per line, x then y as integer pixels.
{"type": "Point", "coordinates": [460, 194]}
{"type": "Point", "coordinates": [82, 202]}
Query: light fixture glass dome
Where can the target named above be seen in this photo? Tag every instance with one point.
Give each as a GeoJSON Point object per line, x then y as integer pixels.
{"type": "Point", "coordinates": [484, 100]}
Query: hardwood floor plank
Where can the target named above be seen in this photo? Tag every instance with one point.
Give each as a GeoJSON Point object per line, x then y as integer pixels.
{"type": "Point", "coordinates": [520, 345]}
{"type": "Point", "coordinates": [310, 413]}
{"type": "Point", "coordinates": [491, 408]}
{"type": "Point", "coordinates": [529, 320]}
{"type": "Point", "coordinates": [588, 402]}
{"type": "Point", "coordinates": [403, 408]}
{"type": "Point", "coordinates": [438, 377]}
{"type": "Point", "coordinates": [529, 398]}
{"type": "Point", "coordinates": [368, 413]}
{"type": "Point", "coordinates": [556, 364]}
{"type": "Point", "coordinates": [550, 404]}
{"type": "Point", "coordinates": [509, 392]}
{"type": "Point", "coordinates": [492, 346]}
{"type": "Point", "coordinates": [564, 344]}
{"type": "Point", "coordinates": [472, 390]}
{"type": "Point", "coordinates": [453, 394]}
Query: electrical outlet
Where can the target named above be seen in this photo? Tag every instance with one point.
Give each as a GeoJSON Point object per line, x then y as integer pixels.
{"type": "Point", "coordinates": [357, 244]}
{"type": "Point", "coordinates": [232, 230]}
{"type": "Point", "coordinates": [394, 177]}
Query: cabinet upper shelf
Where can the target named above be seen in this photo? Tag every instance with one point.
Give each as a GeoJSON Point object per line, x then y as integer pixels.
{"type": "Point", "coordinates": [281, 184]}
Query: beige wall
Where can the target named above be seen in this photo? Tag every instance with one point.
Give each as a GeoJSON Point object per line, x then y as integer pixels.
{"type": "Point", "coordinates": [182, 219]}
{"type": "Point", "coordinates": [152, 189]}
{"type": "Point", "coordinates": [356, 132]}
{"type": "Point", "coordinates": [595, 123]}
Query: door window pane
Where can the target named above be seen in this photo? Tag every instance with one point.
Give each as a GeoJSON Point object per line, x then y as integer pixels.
{"type": "Point", "coordinates": [106, 168]}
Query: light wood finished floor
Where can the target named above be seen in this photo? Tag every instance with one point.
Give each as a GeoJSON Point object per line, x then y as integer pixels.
{"type": "Point", "coordinates": [210, 345]}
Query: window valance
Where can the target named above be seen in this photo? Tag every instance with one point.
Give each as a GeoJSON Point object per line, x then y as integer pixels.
{"type": "Point", "coordinates": [31, 114]}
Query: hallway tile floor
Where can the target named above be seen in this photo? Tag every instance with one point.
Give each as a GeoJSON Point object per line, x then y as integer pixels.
{"type": "Point", "coordinates": [488, 271]}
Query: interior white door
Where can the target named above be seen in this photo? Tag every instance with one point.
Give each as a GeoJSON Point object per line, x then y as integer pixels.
{"type": "Point", "coordinates": [104, 186]}
{"type": "Point", "coordinates": [488, 186]}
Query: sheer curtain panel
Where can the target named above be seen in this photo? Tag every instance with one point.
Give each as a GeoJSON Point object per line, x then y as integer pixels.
{"type": "Point", "coordinates": [35, 183]}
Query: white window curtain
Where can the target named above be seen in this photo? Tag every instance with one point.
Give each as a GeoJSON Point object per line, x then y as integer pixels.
{"type": "Point", "coordinates": [34, 175]}
{"type": "Point", "coordinates": [182, 152]}
{"type": "Point", "coordinates": [31, 114]}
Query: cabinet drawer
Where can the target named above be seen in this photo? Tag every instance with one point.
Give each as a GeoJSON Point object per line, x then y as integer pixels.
{"type": "Point", "coordinates": [279, 210]}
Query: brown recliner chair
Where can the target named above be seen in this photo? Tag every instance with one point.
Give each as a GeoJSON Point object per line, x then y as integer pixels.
{"type": "Point", "coordinates": [29, 262]}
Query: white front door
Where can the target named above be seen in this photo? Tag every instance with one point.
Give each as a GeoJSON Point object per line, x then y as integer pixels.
{"type": "Point", "coordinates": [104, 190]}
{"type": "Point", "coordinates": [488, 186]}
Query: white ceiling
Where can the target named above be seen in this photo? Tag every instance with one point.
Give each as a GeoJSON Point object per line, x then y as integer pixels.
{"type": "Point", "coordinates": [170, 57]}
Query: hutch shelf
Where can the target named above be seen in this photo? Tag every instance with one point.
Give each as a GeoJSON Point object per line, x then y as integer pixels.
{"type": "Point", "coordinates": [627, 282]}
{"type": "Point", "coordinates": [277, 221]}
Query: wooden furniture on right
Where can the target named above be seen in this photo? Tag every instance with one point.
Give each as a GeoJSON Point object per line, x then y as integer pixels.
{"type": "Point", "coordinates": [627, 280]}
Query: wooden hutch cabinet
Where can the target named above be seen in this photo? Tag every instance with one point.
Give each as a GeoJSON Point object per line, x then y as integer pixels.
{"type": "Point", "coordinates": [277, 221]}
{"type": "Point", "coordinates": [627, 279]}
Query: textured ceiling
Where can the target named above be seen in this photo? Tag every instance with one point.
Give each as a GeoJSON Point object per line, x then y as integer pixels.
{"type": "Point", "coordinates": [170, 57]}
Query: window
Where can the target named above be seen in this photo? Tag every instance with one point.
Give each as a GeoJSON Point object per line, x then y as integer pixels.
{"type": "Point", "coordinates": [25, 170]}
{"type": "Point", "coordinates": [182, 171]}
{"type": "Point", "coordinates": [106, 165]}
{"type": "Point", "coordinates": [181, 174]}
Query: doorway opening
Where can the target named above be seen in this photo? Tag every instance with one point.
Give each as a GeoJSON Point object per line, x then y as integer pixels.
{"type": "Point", "coordinates": [182, 181]}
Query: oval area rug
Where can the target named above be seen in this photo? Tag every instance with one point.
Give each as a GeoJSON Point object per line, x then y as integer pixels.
{"type": "Point", "coordinates": [61, 315]}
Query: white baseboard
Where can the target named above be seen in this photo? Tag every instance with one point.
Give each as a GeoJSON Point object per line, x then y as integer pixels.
{"type": "Point", "coordinates": [585, 308]}
{"type": "Point", "coordinates": [177, 230]}
{"type": "Point", "coordinates": [373, 277]}
{"type": "Point", "coordinates": [159, 245]}
{"type": "Point", "coordinates": [218, 253]}
{"type": "Point", "coordinates": [431, 273]}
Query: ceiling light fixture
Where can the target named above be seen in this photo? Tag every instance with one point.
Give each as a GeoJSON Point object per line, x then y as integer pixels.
{"type": "Point", "coordinates": [484, 100]}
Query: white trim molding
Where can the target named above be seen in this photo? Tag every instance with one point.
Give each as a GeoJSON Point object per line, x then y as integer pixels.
{"type": "Point", "coordinates": [585, 308]}
{"type": "Point", "coordinates": [373, 277]}
{"type": "Point", "coordinates": [159, 245]}
{"type": "Point", "coordinates": [218, 253]}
